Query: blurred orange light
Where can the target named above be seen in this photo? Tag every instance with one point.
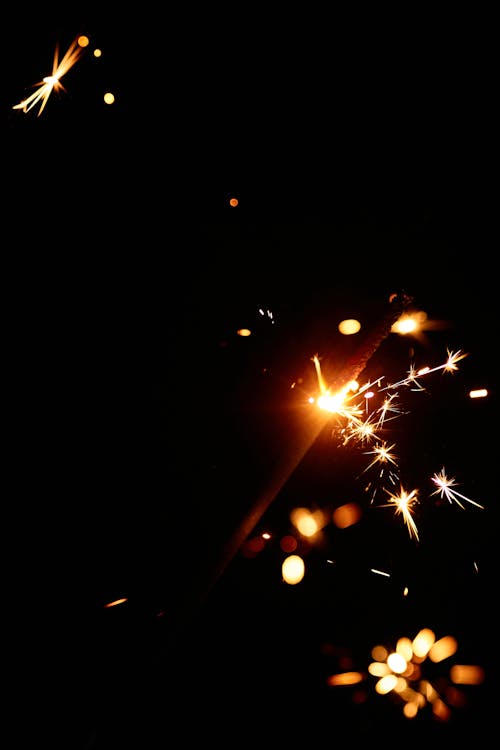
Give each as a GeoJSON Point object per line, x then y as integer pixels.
{"type": "Point", "coordinates": [115, 603]}
{"type": "Point", "coordinates": [346, 515]}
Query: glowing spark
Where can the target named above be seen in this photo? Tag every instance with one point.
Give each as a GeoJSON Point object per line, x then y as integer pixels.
{"type": "Point", "coordinates": [382, 455]}
{"type": "Point", "coordinates": [404, 503]}
{"type": "Point", "coordinates": [361, 431]}
{"type": "Point", "coordinates": [412, 378]}
{"type": "Point", "coordinates": [386, 407]}
{"type": "Point", "coordinates": [53, 82]}
{"type": "Point", "coordinates": [445, 489]}
{"type": "Point", "coordinates": [451, 363]}
{"type": "Point", "coordinates": [449, 366]}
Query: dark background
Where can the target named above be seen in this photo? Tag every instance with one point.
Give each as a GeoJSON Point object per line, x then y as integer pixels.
{"type": "Point", "coordinates": [143, 432]}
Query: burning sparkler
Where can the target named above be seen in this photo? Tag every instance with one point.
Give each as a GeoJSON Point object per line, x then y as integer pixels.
{"type": "Point", "coordinates": [53, 82]}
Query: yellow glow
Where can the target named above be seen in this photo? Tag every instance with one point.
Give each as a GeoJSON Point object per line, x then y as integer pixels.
{"type": "Point", "coordinates": [386, 684]}
{"type": "Point", "coordinates": [97, 53]}
{"type": "Point", "coordinates": [396, 663]}
{"type": "Point", "coordinates": [233, 202]}
{"type": "Point", "coordinates": [401, 685]}
{"type": "Point", "coordinates": [443, 648]}
{"type": "Point", "coordinates": [405, 324]}
{"type": "Point", "coordinates": [479, 393]}
{"type": "Point", "coordinates": [346, 678]}
{"type": "Point", "coordinates": [307, 522]}
{"type": "Point", "coordinates": [349, 326]}
{"type": "Point", "coordinates": [423, 642]}
{"type": "Point", "coordinates": [415, 323]}
{"type": "Point", "coordinates": [293, 569]}
{"type": "Point", "coordinates": [331, 402]}
{"type": "Point", "coordinates": [378, 668]}
{"type": "Point", "coordinates": [109, 98]}
{"type": "Point", "coordinates": [244, 332]}
{"type": "Point", "coordinates": [404, 648]}
{"type": "Point", "coordinates": [466, 674]}
{"type": "Point", "coordinates": [410, 709]}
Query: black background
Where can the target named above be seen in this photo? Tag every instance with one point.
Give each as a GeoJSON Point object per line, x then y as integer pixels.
{"type": "Point", "coordinates": [143, 431]}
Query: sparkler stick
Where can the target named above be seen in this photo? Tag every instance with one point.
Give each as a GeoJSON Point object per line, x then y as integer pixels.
{"type": "Point", "coordinates": [309, 429]}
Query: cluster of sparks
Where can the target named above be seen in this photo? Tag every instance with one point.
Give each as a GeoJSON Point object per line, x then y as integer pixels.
{"type": "Point", "coordinates": [401, 672]}
{"type": "Point", "coordinates": [362, 426]}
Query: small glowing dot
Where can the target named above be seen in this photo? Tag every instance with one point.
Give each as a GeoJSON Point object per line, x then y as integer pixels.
{"type": "Point", "coordinates": [233, 202]}
{"type": "Point", "coordinates": [244, 332]}
{"type": "Point", "coordinates": [83, 41]}
{"type": "Point", "coordinates": [109, 98]}
{"type": "Point", "coordinates": [97, 53]}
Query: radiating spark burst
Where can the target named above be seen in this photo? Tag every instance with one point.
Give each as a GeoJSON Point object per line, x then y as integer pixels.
{"type": "Point", "coordinates": [445, 489]}
{"type": "Point", "coordinates": [53, 82]}
{"type": "Point", "coordinates": [360, 430]}
{"type": "Point", "coordinates": [404, 502]}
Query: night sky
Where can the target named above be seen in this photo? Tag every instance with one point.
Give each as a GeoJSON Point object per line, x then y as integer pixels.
{"type": "Point", "coordinates": [145, 434]}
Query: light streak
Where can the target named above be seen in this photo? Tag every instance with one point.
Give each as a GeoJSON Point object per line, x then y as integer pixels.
{"type": "Point", "coordinates": [53, 82]}
{"type": "Point", "coordinates": [445, 489]}
{"type": "Point", "coordinates": [380, 572]}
